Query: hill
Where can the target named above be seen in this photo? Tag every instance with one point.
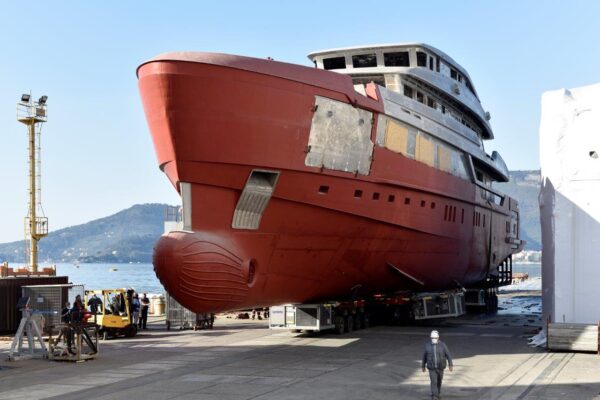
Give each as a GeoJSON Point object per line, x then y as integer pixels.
{"type": "Point", "coordinates": [524, 186]}
{"type": "Point", "coordinates": [127, 236]}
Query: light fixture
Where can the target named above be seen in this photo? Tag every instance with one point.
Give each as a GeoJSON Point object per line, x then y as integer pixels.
{"type": "Point", "coordinates": [42, 100]}
{"type": "Point", "coordinates": [25, 98]}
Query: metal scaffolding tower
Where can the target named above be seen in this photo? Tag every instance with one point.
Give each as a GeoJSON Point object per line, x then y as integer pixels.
{"type": "Point", "coordinates": [33, 114]}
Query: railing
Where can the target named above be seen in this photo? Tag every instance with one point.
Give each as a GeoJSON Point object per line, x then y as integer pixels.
{"type": "Point", "coordinates": [173, 219]}
{"type": "Point", "coordinates": [41, 226]}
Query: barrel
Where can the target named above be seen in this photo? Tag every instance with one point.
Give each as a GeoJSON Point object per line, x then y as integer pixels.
{"type": "Point", "coordinates": [159, 305]}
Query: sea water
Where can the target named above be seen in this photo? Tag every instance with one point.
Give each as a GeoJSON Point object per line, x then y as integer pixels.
{"type": "Point", "coordinates": [140, 277]}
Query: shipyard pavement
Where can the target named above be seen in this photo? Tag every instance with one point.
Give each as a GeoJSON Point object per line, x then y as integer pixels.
{"type": "Point", "coordinates": [240, 360]}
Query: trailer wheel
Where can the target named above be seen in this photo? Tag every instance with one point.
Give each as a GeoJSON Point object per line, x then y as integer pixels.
{"type": "Point", "coordinates": [338, 321]}
{"type": "Point", "coordinates": [358, 322]}
{"type": "Point", "coordinates": [366, 321]}
{"type": "Point", "coordinates": [349, 323]}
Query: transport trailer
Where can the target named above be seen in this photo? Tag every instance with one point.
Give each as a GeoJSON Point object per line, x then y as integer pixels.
{"type": "Point", "coordinates": [348, 316]}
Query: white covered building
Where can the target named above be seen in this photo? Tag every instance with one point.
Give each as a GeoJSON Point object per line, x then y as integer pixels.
{"type": "Point", "coordinates": [570, 204]}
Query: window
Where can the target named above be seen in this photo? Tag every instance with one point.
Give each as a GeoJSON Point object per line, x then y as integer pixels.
{"type": "Point", "coordinates": [431, 63]}
{"type": "Point", "coordinates": [425, 149]}
{"type": "Point", "coordinates": [391, 198]}
{"type": "Point", "coordinates": [358, 194]}
{"type": "Point", "coordinates": [375, 196]}
{"type": "Point", "coordinates": [396, 135]}
{"type": "Point", "coordinates": [437, 64]}
{"type": "Point", "coordinates": [334, 63]}
{"type": "Point", "coordinates": [420, 97]}
{"type": "Point", "coordinates": [405, 139]}
{"type": "Point", "coordinates": [431, 102]}
{"type": "Point", "coordinates": [399, 59]}
{"type": "Point", "coordinates": [323, 189]}
{"type": "Point", "coordinates": [421, 59]}
{"type": "Point", "coordinates": [407, 200]}
{"type": "Point", "coordinates": [364, 61]}
{"type": "Point", "coordinates": [453, 74]}
{"type": "Point", "coordinates": [408, 91]}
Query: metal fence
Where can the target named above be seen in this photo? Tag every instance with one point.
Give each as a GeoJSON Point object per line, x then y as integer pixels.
{"type": "Point", "coordinates": [49, 300]}
{"type": "Point", "coordinates": [178, 317]}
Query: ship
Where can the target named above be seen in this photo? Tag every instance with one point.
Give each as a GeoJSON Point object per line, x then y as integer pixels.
{"type": "Point", "coordinates": [364, 175]}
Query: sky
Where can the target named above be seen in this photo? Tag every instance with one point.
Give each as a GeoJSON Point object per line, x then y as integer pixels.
{"type": "Point", "coordinates": [97, 155]}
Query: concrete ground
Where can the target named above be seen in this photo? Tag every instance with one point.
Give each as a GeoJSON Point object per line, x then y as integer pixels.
{"type": "Point", "coordinates": [245, 360]}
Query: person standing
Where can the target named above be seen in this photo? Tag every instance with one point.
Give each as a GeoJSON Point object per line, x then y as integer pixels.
{"type": "Point", "coordinates": [145, 305]}
{"type": "Point", "coordinates": [135, 309]}
{"type": "Point", "coordinates": [434, 358]}
{"type": "Point", "coordinates": [77, 310]}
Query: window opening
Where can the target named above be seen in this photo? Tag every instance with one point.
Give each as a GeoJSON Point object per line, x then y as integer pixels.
{"type": "Point", "coordinates": [358, 194]}
{"type": "Point", "coordinates": [391, 198]}
{"type": "Point", "coordinates": [375, 196]}
{"type": "Point", "coordinates": [423, 203]}
{"type": "Point", "coordinates": [431, 102]}
{"type": "Point", "coordinates": [323, 189]}
{"type": "Point", "coordinates": [334, 63]}
{"type": "Point", "coordinates": [420, 97]}
{"type": "Point", "coordinates": [364, 60]}
{"type": "Point", "coordinates": [421, 59]}
{"type": "Point", "coordinates": [407, 200]}
{"type": "Point", "coordinates": [398, 59]}
{"type": "Point", "coordinates": [431, 63]}
{"type": "Point", "coordinates": [408, 91]}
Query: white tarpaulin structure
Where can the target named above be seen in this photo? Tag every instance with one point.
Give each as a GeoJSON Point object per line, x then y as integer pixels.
{"type": "Point", "coordinates": [570, 204]}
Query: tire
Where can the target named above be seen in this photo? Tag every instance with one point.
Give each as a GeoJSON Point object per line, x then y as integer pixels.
{"type": "Point", "coordinates": [358, 322]}
{"type": "Point", "coordinates": [366, 321]}
{"type": "Point", "coordinates": [349, 325]}
{"type": "Point", "coordinates": [105, 335]}
{"type": "Point", "coordinates": [131, 331]}
{"type": "Point", "coordinates": [338, 321]}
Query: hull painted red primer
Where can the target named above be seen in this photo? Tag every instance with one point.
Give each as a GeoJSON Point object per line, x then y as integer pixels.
{"type": "Point", "coordinates": [214, 118]}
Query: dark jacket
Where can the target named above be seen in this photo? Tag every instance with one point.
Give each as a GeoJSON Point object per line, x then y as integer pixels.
{"type": "Point", "coordinates": [435, 356]}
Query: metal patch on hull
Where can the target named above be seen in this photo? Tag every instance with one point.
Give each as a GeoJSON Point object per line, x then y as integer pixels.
{"type": "Point", "coordinates": [340, 137]}
{"type": "Point", "coordinates": [254, 199]}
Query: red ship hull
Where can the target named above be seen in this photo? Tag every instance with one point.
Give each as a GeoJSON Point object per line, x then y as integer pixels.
{"type": "Point", "coordinates": [216, 118]}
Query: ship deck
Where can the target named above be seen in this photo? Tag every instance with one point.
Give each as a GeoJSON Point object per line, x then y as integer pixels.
{"type": "Point", "coordinates": [244, 360]}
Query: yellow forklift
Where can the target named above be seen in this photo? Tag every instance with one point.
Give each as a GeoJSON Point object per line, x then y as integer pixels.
{"type": "Point", "coordinates": [111, 311]}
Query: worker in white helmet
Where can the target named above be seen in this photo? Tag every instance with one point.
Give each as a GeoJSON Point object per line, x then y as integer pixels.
{"type": "Point", "coordinates": [434, 358]}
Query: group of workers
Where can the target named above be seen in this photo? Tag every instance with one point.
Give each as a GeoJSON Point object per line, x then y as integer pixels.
{"type": "Point", "coordinates": [138, 308]}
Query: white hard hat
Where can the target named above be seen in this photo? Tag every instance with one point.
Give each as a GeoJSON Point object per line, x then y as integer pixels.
{"type": "Point", "coordinates": [435, 335]}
